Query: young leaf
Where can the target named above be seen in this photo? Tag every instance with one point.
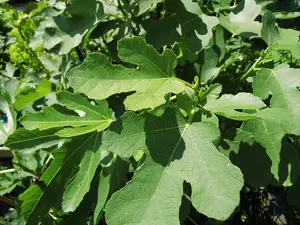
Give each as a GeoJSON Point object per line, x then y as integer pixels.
{"type": "Point", "coordinates": [47, 193]}
{"type": "Point", "coordinates": [176, 151]}
{"type": "Point", "coordinates": [242, 18]}
{"type": "Point", "coordinates": [96, 118]}
{"type": "Point", "coordinates": [151, 81]}
{"type": "Point", "coordinates": [227, 105]}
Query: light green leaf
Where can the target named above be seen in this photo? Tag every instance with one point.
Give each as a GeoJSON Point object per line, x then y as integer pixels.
{"type": "Point", "coordinates": [176, 151]}
{"type": "Point", "coordinates": [95, 118]}
{"type": "Point", "coordinates": [228, 104]}
{"type": "Point", "coordinates": [29, 141]}
{"type": "Point", "coordinates": [270, 32]}
{"type": "Point", "coordinates": [144, 5]}
{"type": "Point", "coordinates": [66, 32]}
{"type": "Point", "coordinates": [212, 92]}
{"type": "Point", "coordinates": [153, 79]}
{"type": "Point", "coordinates": [289, 40]}
{"type": "Point", "coordinates": [41, 91]}
{"type": "Point", "coordinates": [241, 19]}
{"type": "Point", "coordinates": [8, 127]}
{"type": "Point", "coordinates": [39, 198]}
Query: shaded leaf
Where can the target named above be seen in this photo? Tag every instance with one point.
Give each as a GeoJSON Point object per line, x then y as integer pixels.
{"type": "Point", "coordinates": [38, 199]}
{"type": "Point", "coordinates": [281, 119]}
{"type": "Point", "coordinates": [67, 32]}
{"type": "Point", "coordinates": [76, 190]}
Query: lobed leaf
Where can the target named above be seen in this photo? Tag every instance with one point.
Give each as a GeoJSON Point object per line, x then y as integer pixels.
{"type": "Point", "coordinates": [96, 118]}
{"type": "Point", "coordinates": [177, 152]}
{"type": "Point", "coordinates": [152, 80]}
{"type": "Point", "coordinates": [38, 199]}
{"type": "Point", "coordinates": [242, 18]}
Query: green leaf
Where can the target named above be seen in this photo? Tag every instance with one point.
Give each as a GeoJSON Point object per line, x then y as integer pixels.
{"type": "Point", "coordinates": [228, 104]}
{"type": "Point", "coordinates": [209, 69]}
{"type": "Point", "coordinates": [41, 91]}
{"type": "Point", "coordinates": [29, 141]}
{"type": "Point", "coordinates": [177, 152]}
{"type": "Point", "coordinates": [151, 81]}
{"type": "Point", "coordinates": [270, 32]}
{"type": "Point", "coordinates": [242, 150]}
{"type": "Point", "coordinates": [83, 212]}
{"type": "Point", "coordinates": [47, 193]}
{"type": "Point", "coordinates": [112, 179]}
{"type": "Point", "coordinates": [242, 18]}
{"type": "Point", "coordinates": [293, 196]}
{"type": "Point", "coordinates": [66, 32]}
{"type": "Point", "coordinates": [282, 83]}
{"type": "Point", "coordinates": [76, 190]}
{"type": "Point", "coordinates": [144, 5]}
{"type": "Point", "coordinates": [8, 127]}
{"type": "Point", "coordinates": [284, 90]}
{"type": "Point", "coordinates": [193, 30]}
{"type": "Point", "coordinates": [289, 40]}
{"type": "Point", "coordinates": [9, 181]}
{"type": "Point", "coordinates": [95, 118]}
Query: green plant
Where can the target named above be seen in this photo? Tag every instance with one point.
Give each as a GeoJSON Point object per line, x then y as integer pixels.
{"type": "Point", "coordinates": [150, 112]}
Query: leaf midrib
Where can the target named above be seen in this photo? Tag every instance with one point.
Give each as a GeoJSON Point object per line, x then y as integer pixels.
{"type": "Point", "coordinates": [55, 174]}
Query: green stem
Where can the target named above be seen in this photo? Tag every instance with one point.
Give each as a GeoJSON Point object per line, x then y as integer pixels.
{"type": "Point", "coordinates": [112, 3]}
{"type": "Point", "coordinates": [8, 171]}
{"type": "Point", "coordinates": [26, 169]}
{"type": "Point", "coordinates": [193, 221]}
{"type": "Point", "coordinates": [46, 163]}
{"type": "Point", "coordinates": [186, 83]}
{"type": "Point", "coordinates": [190, 119]}
{"type": "Point", "coordinates": [16, 157]}
{"type": "Point", "coordinates": [249, 71]}
{"type": "Point", "coordinates": [253, 67]}
{"type": "Point", "coordinates": [174, 97]}
{"type": "Point", "coordinates": [121, 9]}
{"type": "Point", "coordinates": [7, 201]}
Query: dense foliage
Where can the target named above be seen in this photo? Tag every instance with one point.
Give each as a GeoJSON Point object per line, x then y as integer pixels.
{"type": "Point", "coordinates": [153, 112]}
